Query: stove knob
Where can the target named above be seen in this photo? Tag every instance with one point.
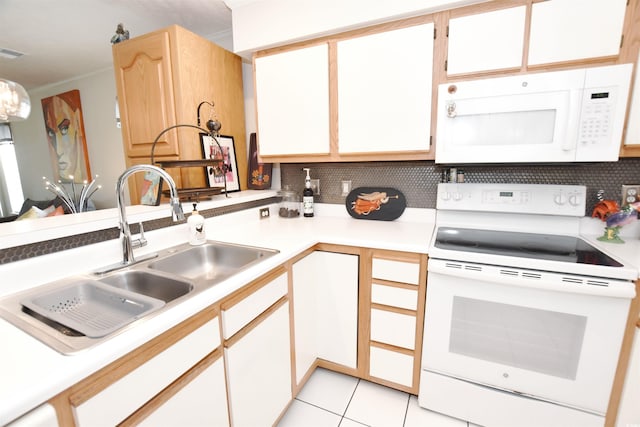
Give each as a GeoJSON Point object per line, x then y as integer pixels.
{"type": "Point", "coordinates": [560, 199]}
{"type": "Point", "coordinates": [457, 196]}
{"type": "Point", "coordinates": [574, 200]}
{"type": "Point", "coordinates": [445, 195]}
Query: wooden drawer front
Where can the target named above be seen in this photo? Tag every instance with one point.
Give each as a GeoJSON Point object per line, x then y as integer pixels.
{"type": "Point", "coordinates": [239, 315]}
{"type": "Point", "coordinates": [395, 297]}
{"type": "Point", "coordinates": [123, 397]}
{"type": "Point", "coordinates": [396, 271]}
{"type": "Point", "coordinates": [391, 366]}
{"type": "Point", "coordinates": [393, 328]}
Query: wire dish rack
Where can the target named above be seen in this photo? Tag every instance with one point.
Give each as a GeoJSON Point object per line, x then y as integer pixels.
{"type": "Point", "coordinates": [92, 308]}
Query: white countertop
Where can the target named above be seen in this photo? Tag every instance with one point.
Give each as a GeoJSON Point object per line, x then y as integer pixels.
{"type": "Point", "coordinates": [32, 372]}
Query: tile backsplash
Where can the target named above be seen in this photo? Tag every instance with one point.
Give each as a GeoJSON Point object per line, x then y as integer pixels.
{"type": "Point", "coordinates": [418, 180]}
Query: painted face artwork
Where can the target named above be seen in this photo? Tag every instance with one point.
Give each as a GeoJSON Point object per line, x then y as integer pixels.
{"type": "Point", "coordinates": [63, 122]}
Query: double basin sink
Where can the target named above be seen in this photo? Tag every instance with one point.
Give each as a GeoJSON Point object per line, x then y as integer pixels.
{"type": "Point", "coordinates": [79, 312]}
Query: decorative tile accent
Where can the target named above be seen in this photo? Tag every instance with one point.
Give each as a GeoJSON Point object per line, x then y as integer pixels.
{"type": "Point", "coordinates": [18, 253]}
{"type": "Point", "coordinates": [418, 180]}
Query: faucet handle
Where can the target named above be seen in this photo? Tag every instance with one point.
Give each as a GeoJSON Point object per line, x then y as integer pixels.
{"type": "Point", "coordinates": [141, 241]}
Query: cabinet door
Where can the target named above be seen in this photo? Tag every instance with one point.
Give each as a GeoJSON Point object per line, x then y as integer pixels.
{"type": "Point", "coordinates": [486, 41]}
{"type": "Point", "coordinates": [575, 29]}
{"type": "Point", "coordinates": [384, 91]}
{"type": "Point", "coordinates": [325, 298]}
{"type": "Point", "coordinates": [129, 393]}
{"type": "Point", "coordinates": [259, 371]}
{"type": "Point", "coordinates": [146, 94]}
{"type": "Point", "coordinates": [292, 101]}
{"type": "Point", "coordinates": [201, 402]}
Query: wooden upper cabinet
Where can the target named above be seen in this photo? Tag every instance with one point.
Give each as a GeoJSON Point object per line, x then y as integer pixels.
{"type": "Point", "coordinates": [384, 91]}
{"type": "Point", "coordinates": [161, 78]}
{"type": "Point", "coordinates": [571, 30]}
{"type": "Point", "coordinates": [486, 41]}
{"type": "Point", "coordinates": [292, 99]}
{"type": "Point", "coordinates": [145, 89]}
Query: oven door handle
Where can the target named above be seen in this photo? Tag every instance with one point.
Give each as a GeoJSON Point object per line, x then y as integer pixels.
{"type": "Point", "coordinates": [532, 279]}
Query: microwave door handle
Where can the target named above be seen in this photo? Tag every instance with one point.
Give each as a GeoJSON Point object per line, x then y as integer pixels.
{"type": "Point", "coordinates": [569, 124]}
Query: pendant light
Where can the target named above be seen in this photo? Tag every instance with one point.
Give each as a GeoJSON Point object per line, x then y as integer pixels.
{"type": "Point", "coordinates": [14, 102]}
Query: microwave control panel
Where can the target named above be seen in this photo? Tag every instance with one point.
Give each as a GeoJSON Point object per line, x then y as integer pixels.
{"type": "Point", "coordinates": [598, 105]}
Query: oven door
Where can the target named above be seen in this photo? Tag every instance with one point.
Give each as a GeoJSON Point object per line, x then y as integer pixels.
{"type": "Point", "coordinates": [540, 334]}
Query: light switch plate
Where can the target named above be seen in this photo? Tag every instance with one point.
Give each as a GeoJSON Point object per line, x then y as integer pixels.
{"type": "Point", "coordinates": [345, 188]}
{"type": "Point", "coordinates": [630, 193]}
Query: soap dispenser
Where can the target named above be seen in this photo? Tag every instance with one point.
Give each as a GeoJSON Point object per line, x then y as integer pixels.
{"type": "Point", "coordinates": [196, 227]}
{"type": "Point", "coordinates": [307, 196]}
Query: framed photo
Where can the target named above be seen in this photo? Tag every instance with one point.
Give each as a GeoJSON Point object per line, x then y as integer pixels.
{"type": "Point", "coordinates": [64, 128]}
{"type": "Point", "coordinates": [229, 167]}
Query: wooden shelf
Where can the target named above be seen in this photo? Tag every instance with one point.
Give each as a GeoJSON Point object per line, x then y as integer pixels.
{"type": "Point", "coordinates": [187, 163]}
{"type": "Point", "coordinates": [195, 193]}
{"type": "Point", "coordinates": [191, 193]}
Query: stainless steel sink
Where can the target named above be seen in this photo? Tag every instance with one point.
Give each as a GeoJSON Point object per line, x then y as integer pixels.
{"type": "Point", "coordinates": [152, 285]}
{"type": "Point", "coordinates": [175, 275]}
{"type": "Point", "coordinates": [211, 261]}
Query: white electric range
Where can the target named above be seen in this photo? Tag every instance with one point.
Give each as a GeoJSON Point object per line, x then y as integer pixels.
{"type": "Point", "coordinates": [524, 319]}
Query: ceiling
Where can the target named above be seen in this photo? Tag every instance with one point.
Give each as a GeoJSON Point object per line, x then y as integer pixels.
{"type": "Point", "coordinates": [62, 39]}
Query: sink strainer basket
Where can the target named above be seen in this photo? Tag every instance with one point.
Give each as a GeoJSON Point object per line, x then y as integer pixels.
{"type": "Point", "coordinates": [92, 308]}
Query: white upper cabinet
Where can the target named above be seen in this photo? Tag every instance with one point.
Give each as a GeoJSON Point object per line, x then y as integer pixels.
{"type": "Point", "coordinates": [486, 41]}
{"type": "Point", "coordinates": [292, 99]}
{"type": "Point", "coordinates": [565, 30]}
{"type": "Point", "coordinates": [384, 91]}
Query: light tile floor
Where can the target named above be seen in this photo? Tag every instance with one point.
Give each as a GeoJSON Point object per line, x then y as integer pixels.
{"type": "Point", "coordinates": [330, 399]}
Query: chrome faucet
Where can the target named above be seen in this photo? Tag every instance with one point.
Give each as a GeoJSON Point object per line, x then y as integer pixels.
{"type": "Point", "coordinates": [129, 244]}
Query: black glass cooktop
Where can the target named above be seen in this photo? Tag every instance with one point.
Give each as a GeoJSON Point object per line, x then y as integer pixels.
{"type": "Point", "coordinates": [524, 245]}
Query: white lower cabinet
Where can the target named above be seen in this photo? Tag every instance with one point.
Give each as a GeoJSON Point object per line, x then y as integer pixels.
{"type": "Point", "coordinates": [391, 365]}
{"type": "Point", "coordinates": [325, 307]}
{"type": "Point", "coordinates": [397, 308]}
{"type": "Point", "coordinates": [202, 402]}
{"type": "Point", "coordinates": [259, 371]}
{"type": "Point", "coordinates": [123, 397]}
{"type": "Point", "coordinates": [393, 328]}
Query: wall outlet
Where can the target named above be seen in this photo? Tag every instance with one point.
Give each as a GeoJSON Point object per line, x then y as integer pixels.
{"type": "Point", "coordinates": [345, 188]}
{"type": "Point", "coordinates": [630, 194]}
{"type": "Point", "coordinates": [264, 213]}
{"type": "Point", "coordinates": [315, 186]}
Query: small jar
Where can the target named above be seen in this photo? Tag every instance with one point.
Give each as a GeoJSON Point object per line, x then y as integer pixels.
{"type": "Point", "coordinates": [289, 206]}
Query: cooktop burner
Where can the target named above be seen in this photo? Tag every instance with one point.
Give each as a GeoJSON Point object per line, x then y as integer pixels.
{"type": "Point", "coordinates": [524, 245]}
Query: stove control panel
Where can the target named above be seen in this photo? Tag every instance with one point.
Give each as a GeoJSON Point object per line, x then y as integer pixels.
{"type": "Point", "coordinates": [546, 199]}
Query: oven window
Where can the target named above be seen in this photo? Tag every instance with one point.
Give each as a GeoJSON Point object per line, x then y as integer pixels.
{"type": "Point", "coordinates": [543, 341]}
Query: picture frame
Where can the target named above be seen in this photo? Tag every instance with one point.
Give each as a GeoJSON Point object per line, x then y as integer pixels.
{"type": "Point", "coordinates": [214, 174]}
{"type": "Point", "coordinates": [64, 127]}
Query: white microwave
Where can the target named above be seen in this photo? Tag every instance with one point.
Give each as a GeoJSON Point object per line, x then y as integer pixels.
{"type": "Point", "coordinates": [561, 116]}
